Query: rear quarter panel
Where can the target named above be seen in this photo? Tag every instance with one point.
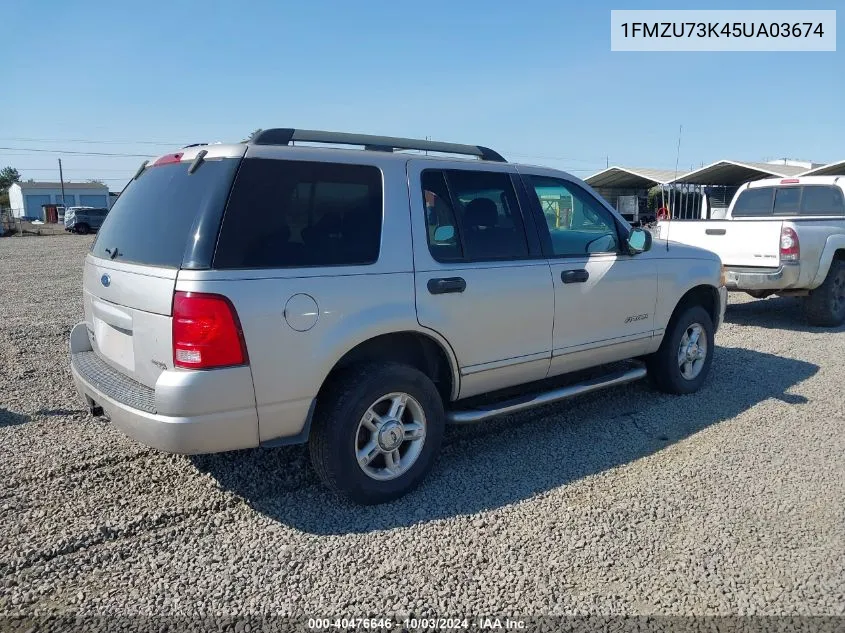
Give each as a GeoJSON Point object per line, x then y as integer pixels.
{"type": "Point", "coordinates": [353, 304]}
{"type": "Point", "coordinates": [819, 240]}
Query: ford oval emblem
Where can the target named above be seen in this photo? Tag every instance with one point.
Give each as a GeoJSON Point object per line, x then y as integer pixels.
{"type": "Point", "coordinates": [105, 280]}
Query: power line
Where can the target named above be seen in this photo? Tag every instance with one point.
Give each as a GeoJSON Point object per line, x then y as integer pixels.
{"type": "Point", "coordinates": [172, 144]}
{"type": "Point", "coordinates": [92, 142]}
{"type": "Point", "coordinates": [126, 171]}
{"type": "Point", "coordinates": [128, 155]}
{"type": "Point", "coordinates": [66, 151]}
{"type": "Point", "coordinates": [577, 160]}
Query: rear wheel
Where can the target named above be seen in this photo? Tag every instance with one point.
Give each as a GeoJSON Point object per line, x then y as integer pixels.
{"type": "Point", "coordinates": [376, 432]}
{"type": "Point", "coordinates": [826, 304]}
{"type": "Point", "coordinates": [82, 228]}
{"type": "Point", "coordinates": [681, 364]}
{"type": "Point", "coordinates": [758, 294]}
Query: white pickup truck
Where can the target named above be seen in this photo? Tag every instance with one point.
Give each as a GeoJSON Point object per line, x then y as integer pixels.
{"type": "Point", "coordinates": [780, 237]}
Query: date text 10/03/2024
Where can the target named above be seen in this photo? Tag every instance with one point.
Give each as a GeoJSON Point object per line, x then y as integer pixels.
{"type": "Point", "coordinates": [413, 624]}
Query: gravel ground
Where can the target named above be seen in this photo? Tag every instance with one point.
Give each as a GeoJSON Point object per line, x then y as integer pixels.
{"type": "Point", "coordinates": [730, 501]}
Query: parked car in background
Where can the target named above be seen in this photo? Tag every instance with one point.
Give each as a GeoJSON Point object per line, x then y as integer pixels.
{"type": "Point", "coordinates": [84, 220]}
{"type": "Point", "coordinates": [781, 236]}
{"type": "Point", "coordinates": [359, 300]}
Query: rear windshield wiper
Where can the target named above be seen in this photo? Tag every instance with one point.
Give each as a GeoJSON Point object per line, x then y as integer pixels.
{"type": "Point", "coordinates": [198, 160]}
{"type": "Point", "coordinates": [112, 255]}
{"type": "Point", "coordinates": [140, 170]}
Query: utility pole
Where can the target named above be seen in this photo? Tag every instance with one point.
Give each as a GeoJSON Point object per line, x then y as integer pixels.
{"type": "Point", "coordinates": [62, 180]}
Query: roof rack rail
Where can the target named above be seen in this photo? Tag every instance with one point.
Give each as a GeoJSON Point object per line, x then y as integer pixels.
{"type": "Point", "coordinates": [284, 136]}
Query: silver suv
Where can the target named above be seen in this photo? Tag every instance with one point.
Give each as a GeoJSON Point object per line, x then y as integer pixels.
{"type": "Point", "coordinates": [83, 220]}
{"type": "Point", "coordinates": [359, 300]}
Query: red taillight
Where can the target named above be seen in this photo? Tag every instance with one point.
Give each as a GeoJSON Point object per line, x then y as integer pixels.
{"type": "Point", "coordinates": [168, 159]}
{"type": "Point", "coordinates": [790, 248]}
{"type": "Point", "coordinates": [790, 181]}
{"type": "Point", "coordinates": [206, 332]}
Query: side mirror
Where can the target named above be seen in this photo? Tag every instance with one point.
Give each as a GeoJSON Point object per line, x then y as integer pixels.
{"type": "Point", "coordinates": [639, 241]}
{"type": "Point", "coordinates": [444, 233]}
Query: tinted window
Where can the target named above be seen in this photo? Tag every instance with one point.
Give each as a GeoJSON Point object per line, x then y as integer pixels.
{"type": "Point", "coordinates": [483, 205]}
{"type": "Point", "coordinates": [787, 200]}
{"type": "Point", "coordinates": [293, 213]}
{"type": "Point", "coordinates": [151, 222]}
{"type": "Point", "coordinates": [442, 228]}
{"type": "Point", "coordinates": [822, 200]}
{"type": "Point", "coordinates": [754, 202]}
{"type": "Point", "coordinates": [578, 224]}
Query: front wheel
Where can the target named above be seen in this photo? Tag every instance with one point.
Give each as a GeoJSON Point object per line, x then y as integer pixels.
{"type": "Point", "coordinates": [83, 229]}
{"type": "Point", "coordinates": [683, 360]}
{"type": "Point", "coordinates": [376, 432]}
{"type": "Point", "coordinates": [826, 304]}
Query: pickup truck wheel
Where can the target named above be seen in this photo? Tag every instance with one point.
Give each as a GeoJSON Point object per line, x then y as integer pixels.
{"type": "Point", "coordinates": [377, 431]}
{"type": "Point", "coordinates": [826, 304]}
{"type": "Point", "coordinates": [82, 228]}
{"type": "Point", "coordinates": [681, 364]}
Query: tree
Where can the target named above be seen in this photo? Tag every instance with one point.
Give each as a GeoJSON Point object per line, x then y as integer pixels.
{"type": "Point", "coordinates": [253, 135]}
{"type": "Point", "coordinates": [8, 177]}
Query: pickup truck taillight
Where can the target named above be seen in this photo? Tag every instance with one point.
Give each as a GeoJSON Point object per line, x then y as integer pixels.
{"type": "Point", "coordinates": [206, 332]}
{"type": "Point", "coordinates": [790, 248]}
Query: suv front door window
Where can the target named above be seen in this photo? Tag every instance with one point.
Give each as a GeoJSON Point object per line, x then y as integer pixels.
{"type": "Point", "coordinates": [576, 222]}
{"type": "Point", "coordinates": [604, 298]}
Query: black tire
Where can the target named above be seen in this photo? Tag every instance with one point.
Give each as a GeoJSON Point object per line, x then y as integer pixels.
{"type": "Point", "coordinates": [82, 228]}
{"type": "Point", "coordinates": [826, 304]}
{"type": "Point", "coordinates": [663, 367]}
{"type": "Point", "coordinates": [335, 430]}
{"type": "Point", "coordinates": [758, 294]}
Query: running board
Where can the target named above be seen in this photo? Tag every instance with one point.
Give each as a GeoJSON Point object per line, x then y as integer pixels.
{"type": "Point", "coordinates": [479, 414]}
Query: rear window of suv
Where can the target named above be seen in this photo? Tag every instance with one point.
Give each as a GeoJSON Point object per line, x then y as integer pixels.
{"type": "Point", "coordinates": [792, 200]}
{"type": "Point", "coordinates": [152, 222]}
{"type": "Point", "coordinates": [284, 213]}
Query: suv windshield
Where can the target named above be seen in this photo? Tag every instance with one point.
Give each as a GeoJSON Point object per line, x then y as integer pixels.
{"type": "Point", "coordinates": [153, 220]}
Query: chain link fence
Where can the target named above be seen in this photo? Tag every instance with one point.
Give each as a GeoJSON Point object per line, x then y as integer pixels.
{"type": "Point", "coordinates": [12, 225]}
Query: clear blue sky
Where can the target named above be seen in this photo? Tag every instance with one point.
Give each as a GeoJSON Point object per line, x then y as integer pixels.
{"type": "Point", "coordinates": [533, 79]}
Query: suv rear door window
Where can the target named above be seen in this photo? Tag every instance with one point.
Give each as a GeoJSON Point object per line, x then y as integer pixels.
{"type": "Point", "coordinates": [285, 213]}
{"type": "Point", "coordinates": [472, 215]}
{"type": "Point", "coordinates": [152, 220]}
{"type": "Point", "coordinates": [754, 202]}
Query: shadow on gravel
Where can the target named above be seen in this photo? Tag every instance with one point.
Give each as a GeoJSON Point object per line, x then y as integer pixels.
{"type": "Point", "coordinates": [10, 418]}
{"type": "Point", "coordinates": [515, 458]}
{"type": "Point", "coordinates": [775, 313]}
{"type": "Point", "coordinates": [61, 412]}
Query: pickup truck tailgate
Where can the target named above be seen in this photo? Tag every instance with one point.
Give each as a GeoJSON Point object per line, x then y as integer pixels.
{"type": "Point", "coordinates": [737, 242]}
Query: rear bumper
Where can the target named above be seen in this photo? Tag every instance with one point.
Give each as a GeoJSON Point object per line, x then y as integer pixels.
{"type": "Point", "coordinates": [782, 278]}
{"type": "Point", "coordinates": [187, 412]}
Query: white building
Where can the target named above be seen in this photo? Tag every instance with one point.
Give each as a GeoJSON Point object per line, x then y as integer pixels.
{"type": "Point", "coordinates": [27, 198]}
{"type": "Point", "coordinates": [791, 162]}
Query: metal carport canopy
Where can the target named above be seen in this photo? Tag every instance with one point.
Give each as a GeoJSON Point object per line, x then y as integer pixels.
{"type": "Point", "coordinates": [630, 178]}
{"type": "Point", "coordinates": [734, 173]}
{"type": "Point", "coordinates": [831, 169]}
